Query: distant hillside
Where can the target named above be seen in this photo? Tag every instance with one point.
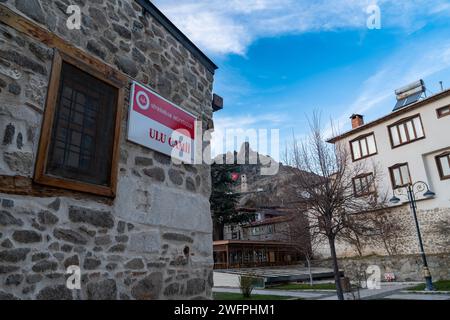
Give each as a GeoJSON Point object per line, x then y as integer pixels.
{"type": "Point", "coordinates": [278, 190]}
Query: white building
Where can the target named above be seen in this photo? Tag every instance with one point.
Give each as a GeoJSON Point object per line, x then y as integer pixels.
{"type": "Point", "coordinates": [410, 144]}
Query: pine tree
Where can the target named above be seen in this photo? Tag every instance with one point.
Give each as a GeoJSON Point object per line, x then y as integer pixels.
{"type": "Point", "coordinates": [224, 199]}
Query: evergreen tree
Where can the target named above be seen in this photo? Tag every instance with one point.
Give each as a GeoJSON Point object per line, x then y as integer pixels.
{"type": "Point", "coordinates": [224, 199]}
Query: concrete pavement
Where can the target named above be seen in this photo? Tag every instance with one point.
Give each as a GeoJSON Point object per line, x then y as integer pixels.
{"type": "Point", "coordinates": [386, 289]}
{"type": "Point", "coordinates": [418, 296]}
{"type": "Point", "coordinates": [230, 277]}
{"type": "Point", "coordinates": [287, 293]}
{"type": "Point", "coordinates": [390, 291]}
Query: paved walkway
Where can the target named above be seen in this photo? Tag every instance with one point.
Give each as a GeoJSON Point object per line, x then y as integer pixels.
{"type": "Point", "coordinates": [287, 293]}
{"type": "Point", "coordinates": [230, 277]}
{"type": "Point", "coordinates": [419, 296]}
{"type": "Point", "coordinates": [374, 294]}
{"type": "Point", "coordinates": [387, 291]}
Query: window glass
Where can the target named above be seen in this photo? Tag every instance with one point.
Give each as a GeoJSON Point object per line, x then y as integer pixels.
{"type": "Point", "coordinates": [363, 185]}
{"type": "Point", "coordinates": [371, 144]}
{"type": "Point", "coordinates": [407, 131]}
{"type": "Point", "coordinates": [356, 150]}
{"type": "Point", "coordinates": [364, 147]}
{"type": "Point", "coordinates": [445, 165]}
{"type": "Point", "coordinates": [405, 174]}
{"type": "Point", "coordinates": [397, 177]}
{"type": "Point", "coordinates": [403, 137]}
{"type": "Point", "coordinates": [82, 138]}
{"type": "Point", "coordinates": [400, 175]}
{"type": "Point", "coordinates": [395, 137]}
{"type": "Point", "coordinates": [364, 150]}
{"type": "Point", "coordinates": [410, 128]}
{"type": "Point", "coordinates": [445, 111]}
{"type": "Point", "coordinates": [418, 126]}
{"type": "Point", "coordinates": [358, 186]}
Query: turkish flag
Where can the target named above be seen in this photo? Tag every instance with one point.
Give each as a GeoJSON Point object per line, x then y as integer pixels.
{"type": "Point", "coordinates": [234, 176]}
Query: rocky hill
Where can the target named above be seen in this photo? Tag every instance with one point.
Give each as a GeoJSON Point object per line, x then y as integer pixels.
{"type": "Point", "coordinates": [264, 191]}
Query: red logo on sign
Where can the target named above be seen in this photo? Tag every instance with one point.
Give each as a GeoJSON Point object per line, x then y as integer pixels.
{"type": "Point", "coordinates": [160, 110]}
{"type": "Point", "coordinates": [143, 100]}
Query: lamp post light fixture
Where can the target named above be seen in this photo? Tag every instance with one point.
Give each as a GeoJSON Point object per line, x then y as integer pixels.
{"type": "Point", "coordinates": [412, 189]}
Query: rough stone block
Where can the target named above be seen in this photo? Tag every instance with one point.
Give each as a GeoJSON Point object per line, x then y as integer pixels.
{"type": "Point", "coordinates": [149, 288]}
{"type": "Point", "coordinates": [59, 292]}
{"type": "Point", "coordinates": [103, 290]}
{"type": "Point", "coordinates": [26, 236]}
{"type": "Point", "coordinates": [145, 242]}
{"type": "Point", "coordinates": [97, 218]}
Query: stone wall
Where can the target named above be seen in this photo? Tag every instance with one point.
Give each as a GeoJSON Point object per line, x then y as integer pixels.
{"type": "Point", "coordinates": [404, 267]}
{"type": "Point", "coordinates": [405, 262]}
{"type": "Point", "coordinates": [153, 241]}
{"type": "Point", "coordinates": [435, 238]}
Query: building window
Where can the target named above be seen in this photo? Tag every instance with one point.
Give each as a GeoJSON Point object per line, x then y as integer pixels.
{"type": "Point", "coordinates": [406, 131]}
{"type": "Point", "coordinates": [363, 147]}
{"type": "Point", "coordinates": [443, 164]}
{"type": "Point", "coordinates": [400, 175]}
{"type": "Point", "coordinates": [78, 149]}
{"type": "Point", "coordinates": [363, 185]}
{"type": "Point", "coordinates": [257, 231]}
{"type": "Point", "coordinates": [443, 112]}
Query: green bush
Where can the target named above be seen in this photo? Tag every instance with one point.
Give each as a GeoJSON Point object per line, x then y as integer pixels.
{"type": "Point", "coordinates": [247, 284]}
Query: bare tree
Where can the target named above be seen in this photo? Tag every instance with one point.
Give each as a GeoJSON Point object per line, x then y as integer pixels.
{"type": "Point", "coordinates": [304, 242]}
{"type": "Point", "coordinates": [326, 177]}
{"type": "Point", "coordinates": [387, 230]}
{"type": "Point", "coordinates": [297, 233]}
{"type": "Point", "coordinates": [354, 234]}
{"type": "Point", "coordinates": [442, 228]}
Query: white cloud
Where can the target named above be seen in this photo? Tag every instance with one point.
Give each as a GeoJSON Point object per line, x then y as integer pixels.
{"type": "Point", "coordinates": [420, 60]}
{"type": "Point", "coordinates": [243, 124]}
{"type": "Point", "coordinates": [225, 27]}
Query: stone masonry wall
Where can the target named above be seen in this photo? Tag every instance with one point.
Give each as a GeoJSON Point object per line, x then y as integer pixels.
{"type": "Point", "coordinates": [406, 262]}
{"type": "Point", "coordinates": [404, 267]}
{"type": "Point", "coordinates": [154, 240]}
{"type": "Point", "coordinates": [435, 240]}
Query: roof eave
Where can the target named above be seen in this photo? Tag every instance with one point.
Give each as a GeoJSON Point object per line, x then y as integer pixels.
{"type": "Point", "coordinates": [178, 34]}
{"type": "Point", "coordinates": [391, 115]}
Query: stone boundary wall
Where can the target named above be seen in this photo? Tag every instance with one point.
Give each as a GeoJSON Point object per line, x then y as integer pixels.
{"type": "Point", "coordinates": [405, 267]}
{"type": "Point", "coordinates": [154, 240]}
{"type": "Point", "coordinates": [435, 240]}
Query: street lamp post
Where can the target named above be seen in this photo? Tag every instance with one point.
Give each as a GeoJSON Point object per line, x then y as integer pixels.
{"type": "Point", "coordinates": [411, 191]}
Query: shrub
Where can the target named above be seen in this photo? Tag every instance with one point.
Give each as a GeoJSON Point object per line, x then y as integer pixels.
{"type": "Point", "coordinates": [247, 284]}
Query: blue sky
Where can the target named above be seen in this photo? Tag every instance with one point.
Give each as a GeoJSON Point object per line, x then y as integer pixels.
{"type": "Point", "coordinates": [280, 61]}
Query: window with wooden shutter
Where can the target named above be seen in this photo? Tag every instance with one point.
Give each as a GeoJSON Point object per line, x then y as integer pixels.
{"type": "Point", "coordinates": [363, 185]}
{"type": "Point", "coordinates": [79, 142]}
{"type": "Point", "coordinates": [400, 175]}
{"type": "Point", "coordinates": [443, 164]}
{"type": "Point", "coordinates": [406, 131]}
{"type": "Point", "coordinates": [443, 112]}
{"type": "Point", "coordinates": [363, 146]}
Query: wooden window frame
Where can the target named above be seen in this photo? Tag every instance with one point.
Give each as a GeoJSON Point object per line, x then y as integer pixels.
{"type": "Point", "coordinates": [369, 191]}
{"type": "Point", "coordinates": [403, 122]}
{"type": "Point", "coordinates": [438, 112]}
{"type": "Point", "coordinates": [103, 73]}
{"type": "Point", "coordinates": [391, 173]}
{"type": "Point", "coordinates": [362, 137]}
{"type": "Point", "coordinates": [439, 166]}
